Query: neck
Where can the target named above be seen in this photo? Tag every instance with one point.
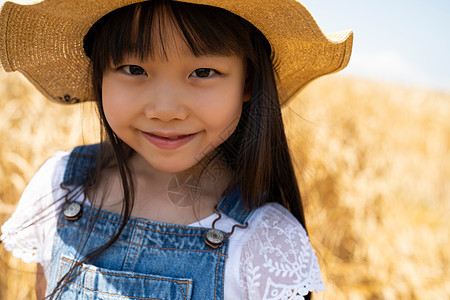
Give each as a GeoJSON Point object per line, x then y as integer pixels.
{"type": "Point", "coordinates": [180, 198]}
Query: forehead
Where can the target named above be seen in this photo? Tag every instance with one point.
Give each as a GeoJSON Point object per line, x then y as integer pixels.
{"type": "Point", "coordinates": [166, 36]}
{"type": "Point", "coordinates": [161, 26]}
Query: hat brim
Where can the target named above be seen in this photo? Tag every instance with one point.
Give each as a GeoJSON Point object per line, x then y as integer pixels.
{"type": "Point", "coordinates": [44, 42]}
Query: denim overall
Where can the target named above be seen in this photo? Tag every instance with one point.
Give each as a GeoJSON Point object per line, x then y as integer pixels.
{"type": "Point", "coordinates": [150, 260]}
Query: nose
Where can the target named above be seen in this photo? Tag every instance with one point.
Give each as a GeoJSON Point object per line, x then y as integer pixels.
{"type": "Point", "coordinates": [165, 101]}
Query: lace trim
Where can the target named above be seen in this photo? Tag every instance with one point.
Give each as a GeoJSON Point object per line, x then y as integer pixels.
{"type": "Point", "coordinates": [21, 242]}
{"type": "Point", "coordinates": [278, 261]}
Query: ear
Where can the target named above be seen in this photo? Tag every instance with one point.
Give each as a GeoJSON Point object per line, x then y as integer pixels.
{"type": "Point", "coordinates": [247, 96]}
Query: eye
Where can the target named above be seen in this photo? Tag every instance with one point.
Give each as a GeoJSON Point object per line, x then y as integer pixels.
{"type": "Point", "coordinates": [204, 72]}
{"type": "Point", "coordinates": [133, 70]}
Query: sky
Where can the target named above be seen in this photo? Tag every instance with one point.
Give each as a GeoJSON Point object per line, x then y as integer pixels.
{"type": "Point", "coordinates": [403, 41]}
{"type": "Point", "coordinates": [394, 40]}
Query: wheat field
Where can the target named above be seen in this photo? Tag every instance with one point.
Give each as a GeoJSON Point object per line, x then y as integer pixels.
{"type": "Point", "coordinates": [372, 160]}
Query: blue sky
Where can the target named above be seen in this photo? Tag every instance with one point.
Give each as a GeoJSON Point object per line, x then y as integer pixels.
{"type": "Point", "coordinates": [401, 41]}
{"type": "Point", "coordinates": [405, 41]}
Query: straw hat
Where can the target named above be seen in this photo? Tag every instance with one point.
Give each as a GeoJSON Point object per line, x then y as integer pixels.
{"type": "Point", "coordinates": [44, 42]}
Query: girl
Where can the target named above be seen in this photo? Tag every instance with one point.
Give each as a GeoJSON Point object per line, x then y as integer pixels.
{"type": "Point", "coordinates": [191, 193]}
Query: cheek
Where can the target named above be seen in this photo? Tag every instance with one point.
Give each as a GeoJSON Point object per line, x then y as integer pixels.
{"type": "Point", "coordinates": [228, 109]}
{"type": "Point", "coordinates": [224, 115]}
{"type": "Point", "coordinates": [115, 103]}
{"type": "Point", "coordinates": [108, 100]}
{"type": "Point", "coordinates": [228, 122]}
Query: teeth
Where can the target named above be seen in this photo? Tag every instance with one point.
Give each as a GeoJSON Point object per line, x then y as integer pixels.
{"type": "Point", "coordinates": [173, 138]}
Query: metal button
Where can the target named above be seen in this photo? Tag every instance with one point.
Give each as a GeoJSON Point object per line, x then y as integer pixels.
{"type": "Point", "coordinates": [72, 211]}
{"type": "Point", "coordinates": [214, 238]}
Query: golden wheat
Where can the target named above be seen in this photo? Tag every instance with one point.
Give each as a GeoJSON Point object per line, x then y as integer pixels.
{"type": "Point", "coordinates": [373, 161]}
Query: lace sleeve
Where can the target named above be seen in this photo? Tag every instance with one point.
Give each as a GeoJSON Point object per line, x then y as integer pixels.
{"type": "Point", "coordinates": [277, 260]}
{"type": "Point", "coordinates": [26, 232]}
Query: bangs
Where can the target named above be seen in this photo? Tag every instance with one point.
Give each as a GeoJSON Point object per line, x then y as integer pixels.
{"type": "Point", "coordinates": [141, 30]}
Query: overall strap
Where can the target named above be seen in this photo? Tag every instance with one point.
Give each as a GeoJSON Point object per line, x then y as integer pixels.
{"type": "Point", "coordinates": [81, 165]}
{"type": "Point", "coordinates": [232, 206]}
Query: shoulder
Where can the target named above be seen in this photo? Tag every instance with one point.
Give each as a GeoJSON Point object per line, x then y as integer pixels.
{"type": "Point", "coordinates": [51, 172]}
{"type": "Point", "coordinates": [45, 181]}
{"type": "Point", "coordinates": [274, 214]}
{"type": "Point", "coordinates": [277, 260]}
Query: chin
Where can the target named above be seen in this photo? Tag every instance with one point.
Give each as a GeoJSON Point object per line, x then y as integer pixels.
{"type": "Point", "coordinates": [172, 167]}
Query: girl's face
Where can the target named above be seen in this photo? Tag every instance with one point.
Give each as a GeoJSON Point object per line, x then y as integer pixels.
{"type": "Point", "coordinates": [173, 109]}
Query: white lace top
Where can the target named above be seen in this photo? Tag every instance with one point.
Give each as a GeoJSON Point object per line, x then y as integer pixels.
{"type": "Point", "coordinates": [271, 259]}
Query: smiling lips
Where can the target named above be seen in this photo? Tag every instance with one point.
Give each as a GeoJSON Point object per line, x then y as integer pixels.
{"type": "Point", "coordinates": [168, 142]}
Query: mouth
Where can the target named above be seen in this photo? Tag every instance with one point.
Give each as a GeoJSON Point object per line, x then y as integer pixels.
{"type": "Point", "coordinates": [172, 136]}
{"type": "Point", "coordinates": [168, 141]}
